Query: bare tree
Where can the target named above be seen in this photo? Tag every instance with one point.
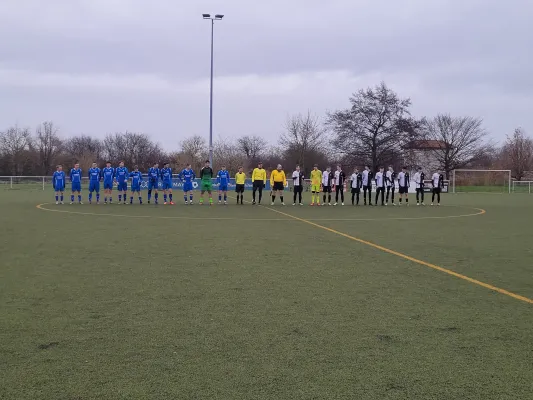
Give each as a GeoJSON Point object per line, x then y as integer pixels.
{"type": "Point", "coordinates": [461, 140]}
{"type": "Point", "coordinates": [226, 152]}
{"type": "Point", "coordinates": [372, 130]}
{"type": "Point", "coordinates": [517, 153]}
{"type": "Point", "coordinates": [85, 150]}
{"type": "Point", "coordinates": [48, 145]}
{"type": "Point", "coordinates": [132, 148]}
{"type": "Point", "coordinates": [195, 151]}
{"type": "Point", "coordinates": [15, 148]}
{"type": "Point", "coordinates": [303, 136]}
{"type": "Point", "coordinates": [253, 147]}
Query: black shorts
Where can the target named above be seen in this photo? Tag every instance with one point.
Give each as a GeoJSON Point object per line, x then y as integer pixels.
{"type": "Point", "coordinates": [258, 184]}
{"type": "Point", "coordinates": [278, 186]}
{"type": "Point", "coordinates": [356, 190]}
{"type": "Point", "coordinates": [239, 188]}
{"type": "Point", "coordinates": [404, 190]}
{"type": "Point", "coordinates": [326, 189]}
{"type": "Point", "coordinates": [367, 187]}
{"type": "Point", "coordinates": [436, 190]}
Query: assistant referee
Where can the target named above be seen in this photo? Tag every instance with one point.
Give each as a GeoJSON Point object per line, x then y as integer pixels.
{"type": "Point", "coordinates": [259, 179]}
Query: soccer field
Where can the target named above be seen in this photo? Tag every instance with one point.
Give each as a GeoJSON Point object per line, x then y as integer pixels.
{"type": "Point", "coordinates": [247, 302]}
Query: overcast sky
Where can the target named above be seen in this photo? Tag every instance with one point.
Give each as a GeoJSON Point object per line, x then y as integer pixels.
{"type": "Point", "coordinates": [99, 66]}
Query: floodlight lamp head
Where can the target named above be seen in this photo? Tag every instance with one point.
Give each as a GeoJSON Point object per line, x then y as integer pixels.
{"type": "Point", "coordinates": [206, 16]}
{"type": "Point", "coordinates": [219, 16]}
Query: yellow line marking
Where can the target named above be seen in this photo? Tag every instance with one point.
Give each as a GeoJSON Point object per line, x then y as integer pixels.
{"type": "Point", "coordinates": [40, 207]}
{"type": "Point", "coordinates": [412, 259]}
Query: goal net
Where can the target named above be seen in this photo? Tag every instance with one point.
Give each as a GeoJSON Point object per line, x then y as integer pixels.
{"type": "Point", "coordinates": [522, 187]}
{"type": "Point", "coordinates": [481, 181]}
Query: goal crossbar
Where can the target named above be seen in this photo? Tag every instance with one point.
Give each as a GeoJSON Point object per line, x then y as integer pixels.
{"type": "Point", "coordinates": [507, 172]}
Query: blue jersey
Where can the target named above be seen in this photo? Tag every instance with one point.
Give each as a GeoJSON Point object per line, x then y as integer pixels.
{"type": "Point", "coordinates": [108, 173]}
{"type": "Point", "coordinates": [223, 177]}
{"type": "Point", "coordinates": [166, 174]}
{"type": "Point", "coordinates": [187, 175]}
{"type": "Point", "coordinates": [58, 179]}
{"type": "Point", "coordinates": [121, 174]}
{"type": "Point", "coordinates": [94, 174]}
{"type": "Point", "coordinates": [136, 178]}
{"type": "Point", "coordinates": [75, 175]}
{"type": "Point", "coordinates": [153, 174]}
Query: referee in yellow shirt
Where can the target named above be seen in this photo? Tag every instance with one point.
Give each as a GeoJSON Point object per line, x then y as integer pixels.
{"type": "Point", "coordinates": [259, 180]}
{"type": "Point", "coordinates": [240, 180]}
{"type": "Point", "coordinates": [278, 181]}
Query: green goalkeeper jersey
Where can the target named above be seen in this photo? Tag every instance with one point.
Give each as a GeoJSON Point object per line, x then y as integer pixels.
{"type": "Point", "coordinates": [206, 174]}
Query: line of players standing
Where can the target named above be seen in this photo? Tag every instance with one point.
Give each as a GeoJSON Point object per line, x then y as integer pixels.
{"type": "Point", "coordinates": [327, 182]}
{"type": "Point", "coordinates": [120, 176]}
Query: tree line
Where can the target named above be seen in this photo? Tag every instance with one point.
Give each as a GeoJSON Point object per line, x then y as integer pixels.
{"type": "Point", "coordinates": [376, 129]}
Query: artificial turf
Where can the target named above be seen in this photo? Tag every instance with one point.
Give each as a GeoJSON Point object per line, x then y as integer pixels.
{"type": "Point", "coordinates": [243, 302]}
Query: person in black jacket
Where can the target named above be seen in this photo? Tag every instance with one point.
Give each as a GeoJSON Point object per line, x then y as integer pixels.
{"type": "Point", "coordinates": [339, 179]}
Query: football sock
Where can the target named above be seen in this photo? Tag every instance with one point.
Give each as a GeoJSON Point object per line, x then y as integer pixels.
{"type": "Point", "coordinates": [281, 198]}
{"type": "Point", "coordinates": [225, 197]}
{"type": "Point", "coordinates": [72, 198]}
{"type": "Point", "coordinates": [156, 196]}
{"type": "Point", "coordinates": [149, 195]}
{"type": "Point", "coordinates": [90, 196]}
{"type": "Point", "coordinates": [97, 196]}
{"type": "Point", "coordinates": [165, 198]}
{"type": "Point", "coordinates": [190, 197]}
{"type": "Point", "coordinates": [185, 198]}
{"type": "Point", "coordinates": [79, 198]}
{"type": "Point", "coordinates": [170, 197]}
{"type": "Point", "coordinates": [273, 198]}
{"type": "Point", "coordinates": [140, 200]}
{"type": "Point", "coordinates": [57, 197]}
{"type": "Point", "coordinates": [61, 197]}
{"type": "Point", "coordinates": [131, 199]}
{"type": "Point", "coordinates": [119, 198]}
{"type": "Point", "coordinates": [219, 197]}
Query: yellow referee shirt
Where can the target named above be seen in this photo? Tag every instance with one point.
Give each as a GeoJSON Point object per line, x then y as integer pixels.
{"type": "Point", "coordinates": [278, 176]}
{"type": "Point", "coordinates": [259, 174]}
{"type": "Point", "coordinates": [240, 178]}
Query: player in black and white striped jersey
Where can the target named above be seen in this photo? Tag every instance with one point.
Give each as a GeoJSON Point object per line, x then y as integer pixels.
{"type": "Point", "coordinates": [437, 180]}
{"type": "Point", "coordinates": [339, 179]}
{"type": "Point", "coordinates": [356, 183]}
{"type": "Point", "coordinates": [419, 185]}
{"type": "Point", "coordinates": [380, 186]}
{"type": "Point", "coordinates": [367, 185]}
{"type": "Point", "coordinates": [403, 185]}
{"type": "Point", "coordinates": [390, 180]}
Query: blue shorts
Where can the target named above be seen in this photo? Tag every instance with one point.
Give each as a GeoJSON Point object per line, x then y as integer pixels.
{"type": "Point", "coordinates": [76, 186]}
{"type": "Point", "coordinates": [122, 186]}
{"type": "Point", "coordinates": [223, 188]}
{"type": "Point", "coordinates": [59, 188]}
{"type": "Point", "coordinates": [152, 185]}
{"type": "Point", "coordinates": [108, 185]}
{"type": "Point", "coordinates": [94, 187]}
{"type": "Point", "coordinates": [187, 187]}
{"type": "Point", "coordinates": [167, 185]}
{"type": "Point", "coordinates": [136, 188]}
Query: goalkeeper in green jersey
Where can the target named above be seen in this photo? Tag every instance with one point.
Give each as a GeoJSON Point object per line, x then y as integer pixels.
{"type": "Point", "coordinates": [206, 183]}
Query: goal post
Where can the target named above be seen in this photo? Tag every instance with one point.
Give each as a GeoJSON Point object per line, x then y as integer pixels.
{"type": "Point", "coordinates": [522, 187]}
{"type": "Point", "coordinates": [481, 181]}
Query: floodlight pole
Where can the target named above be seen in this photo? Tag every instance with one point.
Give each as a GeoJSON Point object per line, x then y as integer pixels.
{"type": "Point", "coordinates": [211, 97]}
{"type": "Point", "coordinates": [216, 17]}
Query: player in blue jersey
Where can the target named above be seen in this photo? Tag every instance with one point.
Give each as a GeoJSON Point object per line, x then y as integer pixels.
{"type": "Point", "coordinates": [58, 180]}
{"type": "Point", "coordinates": [153, 182]}
{"type": "Point", "coordinates": [75, 179]}
{"type": "Point", "coordinates": [187, 176]}
{"type": "Point", "coordinates": [166, 177]}
{"type": "Point", "coordinates": [136, 179]}
{"type": "Point", "coordinates": [223, 179]}
{"type": "Point", "coordinates": [94, 183]}
{"type": "Point", "coordinates": [121, 176]}
{"type": "Point", "coordinates": [108, 173]}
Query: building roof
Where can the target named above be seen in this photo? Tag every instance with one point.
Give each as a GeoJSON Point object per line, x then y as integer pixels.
{"type": "Point", "coordinates": [426, 145]}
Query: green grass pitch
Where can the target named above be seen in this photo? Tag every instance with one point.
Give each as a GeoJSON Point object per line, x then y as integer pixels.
{"type": "Point", "coordinates": [243, 302]}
